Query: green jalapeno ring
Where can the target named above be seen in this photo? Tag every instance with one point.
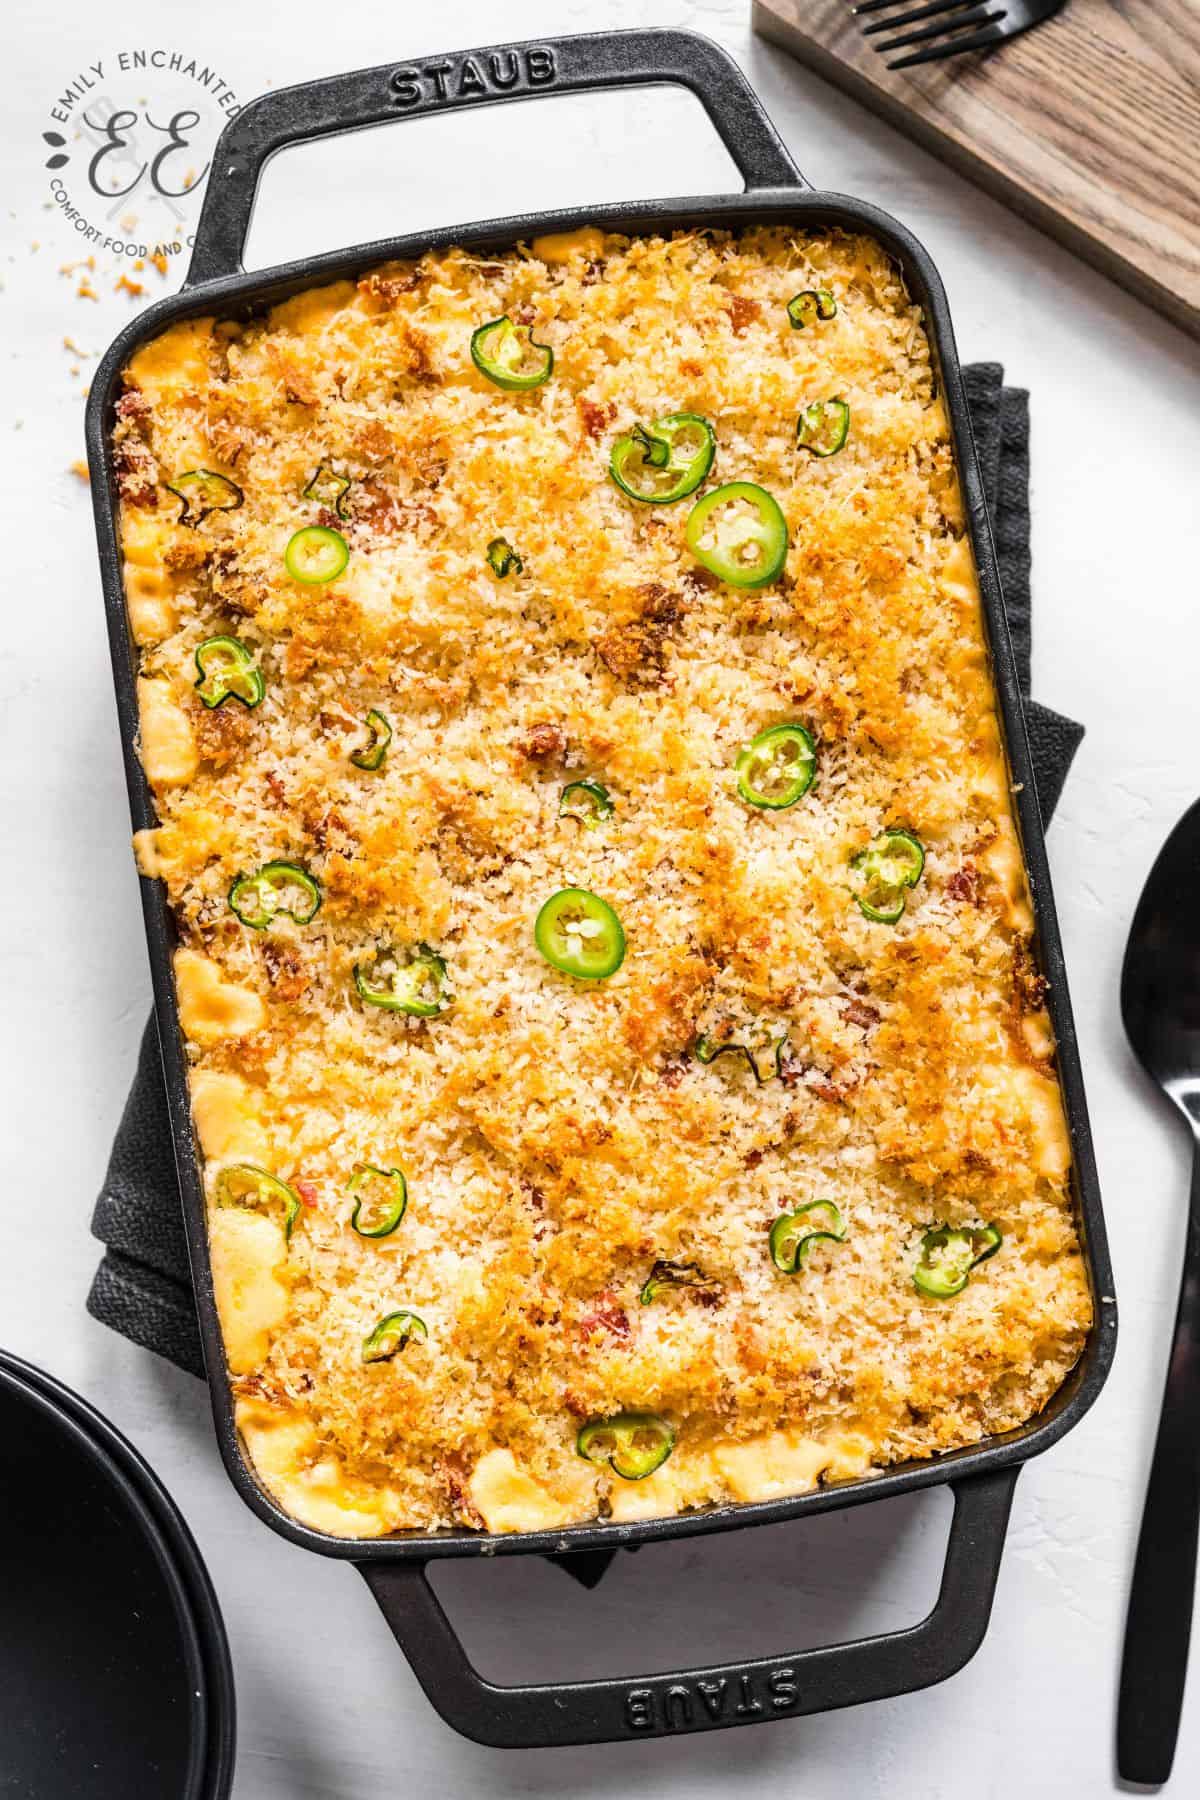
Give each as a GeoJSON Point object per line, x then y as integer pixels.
{"type": "Point", "coordinates": [679, 447]}
{"type": "Point", "coordinates": [503, 559]}
{"type": "Point", "coordinates": [763, 1053]}
{"type": "Point", "coordinates": [588, 802]}
{"type": "Point", "coordinates": [227, 671]}
{"type": "Point", "coordinates": [794, 1233]}
{"type": "Point", "coordinates": [948, 1255]}
{"type": "Point", "coordinates": [328, 488]}
{"type": "Point", "coordinates": [390, 1205]}
{"type": "Point", "coordinates": [395, 1331]}
{"type": "Point", "coordinates": [379, 736]}
{"type": "Point", "coordinates": [823, 427]}
{"type": "Point", "coordinates": [633, 1444]}
{"type": "Point", "coordinates": [776, 768]}
{"type": "Point", "coordinates": [419, 987]}
{"type": "Point", "coordinates": [580, 934]}
{"type": "Point", "coordinates": [752, 549]}
{"type": "Point", "coordinates": [203, 491]}
{"type": "Point", "coordinates": [245, 1183]}
{"type": "Point", "coordinates": [498, 352]}
{"type": "Point", "coordinates": [315, 555]}
{"type": "Point", "coordinates": [665, 1274]}
{"type": "Point", "coordinates": [254, 899]}
{"type": "Point", "coordinates": [892, 863]}
{"type": "Point", "coordinates": [807, 307]}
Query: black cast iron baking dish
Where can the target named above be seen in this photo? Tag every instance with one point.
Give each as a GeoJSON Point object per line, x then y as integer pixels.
{"type": "Point", "coordinates": [982, 1477]}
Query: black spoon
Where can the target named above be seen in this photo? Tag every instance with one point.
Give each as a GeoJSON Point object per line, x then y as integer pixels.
{"type": "Point", "coordinates": [1160, 1004]}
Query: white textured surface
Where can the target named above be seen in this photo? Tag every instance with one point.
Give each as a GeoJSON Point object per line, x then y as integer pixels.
{"type": "Point", "coordinates": [329, 1710]}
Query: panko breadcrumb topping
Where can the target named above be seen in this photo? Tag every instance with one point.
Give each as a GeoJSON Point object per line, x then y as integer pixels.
{"type": "Point", "coordinates": [588, 1202]}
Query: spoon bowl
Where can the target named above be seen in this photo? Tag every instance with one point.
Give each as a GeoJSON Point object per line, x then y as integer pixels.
{"type": "Point", "coordinates": [1160, 979]}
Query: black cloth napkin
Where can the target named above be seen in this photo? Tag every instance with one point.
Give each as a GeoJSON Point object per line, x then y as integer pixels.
{"type": "Point", "coordinates": [143, 1289]}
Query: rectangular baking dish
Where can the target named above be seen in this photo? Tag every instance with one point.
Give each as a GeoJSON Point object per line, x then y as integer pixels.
{"type": "Point", "coordinates": [982, 1477]}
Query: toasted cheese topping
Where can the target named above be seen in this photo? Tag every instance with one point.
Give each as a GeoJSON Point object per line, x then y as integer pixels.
{"type": "Point", "coordinates": [559, 1135]}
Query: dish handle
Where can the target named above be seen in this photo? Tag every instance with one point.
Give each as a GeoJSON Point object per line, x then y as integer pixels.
{"type": "Point", "coordinates": [708, 1699]}
{"type": "Point", "coordinates": [462, 78]}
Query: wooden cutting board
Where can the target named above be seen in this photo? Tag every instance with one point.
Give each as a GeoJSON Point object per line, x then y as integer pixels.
{"type": "Point", "coordinates": [1088, 125]}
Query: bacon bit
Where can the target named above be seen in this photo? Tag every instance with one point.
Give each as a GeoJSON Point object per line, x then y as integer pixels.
{"type": "Point", "coordinates": [307, 1190]}
{"type": "Point", "coordinates": [674, 1072]}
{"type": "Point", "coordinates": [388, 288]}
{"type": "Point", "coordinates": [596, 416]}
{"type": "Point", "coordinates": [963, 886]}
{"type": "Point", "coordinates": [332, 825]}
{"type": "Point", "coordinates": [133, 404]}
{"type": "Point", "coordinates": [273, 783]}
{"type": "Point", "coordinates": [858, 1012]}
{"type": "Point", "coordinates": [533, 1194]}
{"type": "Point", "coordinates": [524, 314]}
{"type": "Point", "coordinates": [1029, 986]}
{"type": "Point", "coordinates": [702, 579]}
{"type": "Point", "coordinates": [706, 1296]}
{"type": "Point", "coordinates": [124, 285]}
{"type": "Point", "coordinates": [453, 1471]}
{"type": "Point", "coordinates": [606, 1315]}
{"type": "Point", "coordinates": [742, 311]}
{"type": "Point", "coordinates": [285, 969]}
{"type": "Point", "coordinates": [137, 474]}
{"type": "Point", "coordinates": [752, 1158]}
{"type": "Point", "coordinates": [578, 1409]}
{"type": "Point", "coordinates": [542, 741]}
{"type": "Point", "coordinates": [592, 273]}
{"type": "Point", "coordinates": [329, 519]}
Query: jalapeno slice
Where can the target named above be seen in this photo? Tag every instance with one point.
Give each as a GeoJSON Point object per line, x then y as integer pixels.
{"type": "Point", "coordinates": [587, 801]}
{"type": "Point", "coordinates": [244, 1184]}
{"type": "Point", "coordinates": [948, 1254]}
{"type": "Point", "coordinates": [380, 1199]}
{"type": "Point", "coordinates": [665, 1274]}
{"type": "Point", "coordinates": [823, 427]}
{"type": "Point", "coordinates": [665, 462]}
{"type": "Point", "coordinates": [203, 491]}
{"type": "Point", "coordinates": [776, 768]}
{"type": "Point", "coordinates": [503, 560]}
{"type": "Point", "coordinates": [227, 672]}
{"type": "Point", "coordinates": [316, 555]}
{"type": "Point", "coordinates": [328, 488]}
{"type": "Point", "coordinates": [890, 865]}
{"type": "Point", "coordinates": [813, 304]}
{"type": "Point", "coordinates": [413, 982]}
{"type": "Point", "coordinates": [507, 354]}
{"type": "Point", "coordinates": [739, 534]}
{"type": "Point", "coordinates": [379, 736]}
{"type": "Point", "coordinates": [761, 1048]}
{"type": "Point", "coordinates": [392, 1333]}
{"type": "Point", "coordinates": [633, 1444]}
{"type": "Point", "coordinates": [580, 934]}
{"type": "Point", "coordinates": [278, 887]}
{"type": "Point", "coordinates": [794, 1233]}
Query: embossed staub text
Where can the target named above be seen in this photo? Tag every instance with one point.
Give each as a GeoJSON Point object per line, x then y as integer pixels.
{"type": "Point", "coordinates": [476, 77]}
{"type": "Point", "coordinates": [716, 1700]}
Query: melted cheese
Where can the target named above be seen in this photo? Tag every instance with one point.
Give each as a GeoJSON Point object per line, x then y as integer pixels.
{"type": "Point", "coordinates": [249, 1262]}
{"type": "Point", "coordinates": [169, 754]}
{"type": "Point", "coordinates": [561, 246]}
{"type": "Point", "coordinates": [211, 1008]}
{"type": "Point", "coordinates": [228, 1116]}
{"type": "Point", "coordinates": [285, 1451]}
{"type": "Point", "coordinates": [508, 1498]}
{"type": "Point", "coordinates": [768, 1467]}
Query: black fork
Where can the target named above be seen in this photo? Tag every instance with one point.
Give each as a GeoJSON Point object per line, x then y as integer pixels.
{"type": "Point", "coordinates": [949, 27]}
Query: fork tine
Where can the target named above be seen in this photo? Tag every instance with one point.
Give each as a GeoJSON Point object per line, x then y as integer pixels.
{"type": "Point", "coordinates": [982, 40]}
{"type": "Point", "coordinates": [974, 17]}
{"type": "Point", "coordinates": [870, 6]}
{"type": "Point", "coordinates": [918, 13]}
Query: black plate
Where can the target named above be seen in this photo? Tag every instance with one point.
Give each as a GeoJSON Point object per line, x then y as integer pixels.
{"type": "Point", "coordinates": [982, 1477]}
{"type": "Point", "coordinates": [115, 1682]}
